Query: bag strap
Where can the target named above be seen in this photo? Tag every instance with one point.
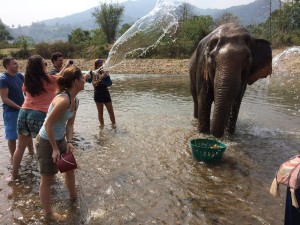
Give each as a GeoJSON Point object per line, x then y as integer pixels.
{"type": "Point", "coordinates": [76, 101]}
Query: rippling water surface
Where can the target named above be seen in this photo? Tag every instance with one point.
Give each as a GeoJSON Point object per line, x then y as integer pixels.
{"type": "Point", "coordinates": [142, 171]}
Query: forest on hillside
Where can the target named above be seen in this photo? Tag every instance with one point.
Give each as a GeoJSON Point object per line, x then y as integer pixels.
{"type": "Point", "coordinates": [282, 27]}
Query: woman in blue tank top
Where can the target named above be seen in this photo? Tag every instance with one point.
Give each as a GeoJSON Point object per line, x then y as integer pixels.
{"type": "Point", "coordinates": [55, 137]}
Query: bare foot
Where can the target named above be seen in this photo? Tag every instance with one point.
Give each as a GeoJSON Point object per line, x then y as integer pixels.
{"type": "Point", "coordinates": [56, 217]}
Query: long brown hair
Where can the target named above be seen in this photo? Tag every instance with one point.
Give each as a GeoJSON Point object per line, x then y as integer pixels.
{"type": "Point", "coordinates": [34, 75]}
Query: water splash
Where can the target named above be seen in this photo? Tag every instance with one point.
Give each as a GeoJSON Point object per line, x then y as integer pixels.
{"type": "Point", "coordinates": [289, 52]}
{"type": "Point", "coordinates": [145, 33]}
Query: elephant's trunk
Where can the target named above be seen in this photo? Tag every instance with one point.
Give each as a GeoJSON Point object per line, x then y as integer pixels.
{"type": "Point", "coordinates": [225, 93]}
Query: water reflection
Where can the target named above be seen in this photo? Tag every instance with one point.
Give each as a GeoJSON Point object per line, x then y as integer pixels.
{"type": "Point", "coordinates": [142, 171]}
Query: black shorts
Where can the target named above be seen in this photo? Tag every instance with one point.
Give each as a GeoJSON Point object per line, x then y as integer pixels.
{"type": "Point", "coordinates": [101, 94]}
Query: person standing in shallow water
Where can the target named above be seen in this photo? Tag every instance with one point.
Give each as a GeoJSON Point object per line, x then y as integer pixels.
{"type": "Point", "coordinates": [12, 97]}
{"type": "Point", "coordinates": [40, 89]}
{"type": "Point", "coordinates": [101, 94]}
{"type": "Point", "coordinates": [55, 136]}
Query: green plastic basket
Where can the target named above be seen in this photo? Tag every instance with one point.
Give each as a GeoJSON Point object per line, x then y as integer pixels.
{"type": "Point", "coordinates": [207, 150]}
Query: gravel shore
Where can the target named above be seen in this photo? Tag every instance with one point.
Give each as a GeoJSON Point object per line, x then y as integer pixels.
{"type": "Point", "coordinates": [158, 66]}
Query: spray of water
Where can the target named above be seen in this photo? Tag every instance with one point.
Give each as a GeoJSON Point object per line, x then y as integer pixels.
{"type": "Point", "coordinates": [289, 52]}
{"type": "Point", "coordinates": [145, 33]}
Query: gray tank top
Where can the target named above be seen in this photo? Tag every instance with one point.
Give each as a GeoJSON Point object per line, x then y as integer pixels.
{"type": "Point", "coordinates": [60, 126]}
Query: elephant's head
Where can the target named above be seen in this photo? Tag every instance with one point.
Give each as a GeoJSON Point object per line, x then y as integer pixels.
{"type": "Point", "coordinates": [228, 59]}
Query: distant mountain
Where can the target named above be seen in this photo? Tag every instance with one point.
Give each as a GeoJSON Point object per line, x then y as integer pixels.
{"type": "Point", "coordinates": [253, 13]}
{"type": "Point", "coordinates": [133, 10]}
{"type": "Point", "coordinates": [59, 28]}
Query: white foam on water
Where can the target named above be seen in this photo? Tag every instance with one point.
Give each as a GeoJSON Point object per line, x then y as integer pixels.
{"type": "Point", "coordinates": [99, 213]}
{"type": "Point", "coordinates": [145, 33]}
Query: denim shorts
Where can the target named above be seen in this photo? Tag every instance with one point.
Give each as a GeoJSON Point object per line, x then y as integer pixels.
{"type": "Point", "coordinates": [44, 153]}
{"type": "Point", "coordinates": [10, 124]}
{"type": "Point", "coordinates": [30, 122]}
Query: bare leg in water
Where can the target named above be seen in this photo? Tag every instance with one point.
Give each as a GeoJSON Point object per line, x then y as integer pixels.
{"type": "Point", "coordinates": [23, 141]}
{"type": "Point", "coordinates": [30, 147]}
{"type": "Point", "coordinates": [45, 193]}
{"type": "Point", "coordinates": [111, 113]}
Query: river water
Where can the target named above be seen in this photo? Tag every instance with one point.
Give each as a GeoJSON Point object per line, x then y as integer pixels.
{"type": "Point", "coordinates": [142, 171]}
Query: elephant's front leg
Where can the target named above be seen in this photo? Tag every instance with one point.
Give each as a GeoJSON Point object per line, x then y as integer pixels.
{"type": "Point", "coordinates": [204, 110]}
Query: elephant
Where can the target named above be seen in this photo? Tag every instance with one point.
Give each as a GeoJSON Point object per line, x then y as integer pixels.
{"type": "Point", "coordinates": [222, 65]}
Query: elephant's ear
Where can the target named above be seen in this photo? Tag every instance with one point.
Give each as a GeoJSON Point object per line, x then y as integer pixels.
{"type": "Point", "coordinates": [261, 61]}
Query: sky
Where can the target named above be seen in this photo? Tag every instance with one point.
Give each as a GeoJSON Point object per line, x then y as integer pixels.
{"type": "Point", "coordinates": [25, 12]}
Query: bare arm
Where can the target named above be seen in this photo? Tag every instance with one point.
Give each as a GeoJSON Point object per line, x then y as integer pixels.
{"type": "Point", "coordinates": [70, 132]}
{"type": "Point", "coordinates": [87, 76]}
{"type": "Point", "coordinates": [60, 105]}
{"type": "Point", "coordinates": [6, 100]}
{"type": "Point", "coordinates": [65, 67]}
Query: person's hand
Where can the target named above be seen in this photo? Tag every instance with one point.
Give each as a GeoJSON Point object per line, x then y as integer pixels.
{"type": "Point", "coordinates": [55, 155]}
{"type": "Point", "coordinates": [70, 147]}
{"type": "Point", "coordinates": [70, 62]}
{"type": "Point", "coordinates": [87, 76]}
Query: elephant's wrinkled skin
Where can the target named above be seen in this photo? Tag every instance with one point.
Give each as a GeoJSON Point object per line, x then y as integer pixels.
{"type": "Point", "coordinates": [224, 62]}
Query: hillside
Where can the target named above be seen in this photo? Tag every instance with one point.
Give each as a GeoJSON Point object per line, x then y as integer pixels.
{"type": "Point", "coordinates": [59, 28]}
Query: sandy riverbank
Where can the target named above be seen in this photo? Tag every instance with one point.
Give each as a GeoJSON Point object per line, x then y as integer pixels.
{"type": "Point", "coordinates": [160, 66]}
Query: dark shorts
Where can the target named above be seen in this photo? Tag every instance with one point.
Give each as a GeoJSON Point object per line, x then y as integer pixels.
{"type": "Point", "coordinates": [10, 124]}
{"type": "Point", "coordinates": [44, 153]}
{"type": "Point", "coordinates": [102, 95]}
{"type": "Point", "coordinates": [30, 122]}
{"type": "Point", "coordinates": [292, 214]}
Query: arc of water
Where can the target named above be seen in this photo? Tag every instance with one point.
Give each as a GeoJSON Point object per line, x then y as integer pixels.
{"type": "Point", "coordinates": [145, 33]}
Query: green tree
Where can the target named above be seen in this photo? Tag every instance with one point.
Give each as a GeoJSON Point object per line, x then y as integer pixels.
{"type": "Point", "coordinates": [108, 17]}
{"type": "Point", "coordinates": [124, 28]}
{"type": "Point", "coordinates": [191, 31]}
{"type": "Point", "coordinates": [4, 34]}
{"type": "Point", "coordinates": [98, 37]}
{"type": "Point", "coordinates": [79, 36]}
{"type": "Point", "coordinates": [227, 18]}
{"type": "Point", "coordinates": [188, 35]}
{"type": "Point", "coordinates": [185, 11]}
{"type": "Point", "coordinates": [24, 42]}
{"type": "Point", "coordinates": [285, 25]}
